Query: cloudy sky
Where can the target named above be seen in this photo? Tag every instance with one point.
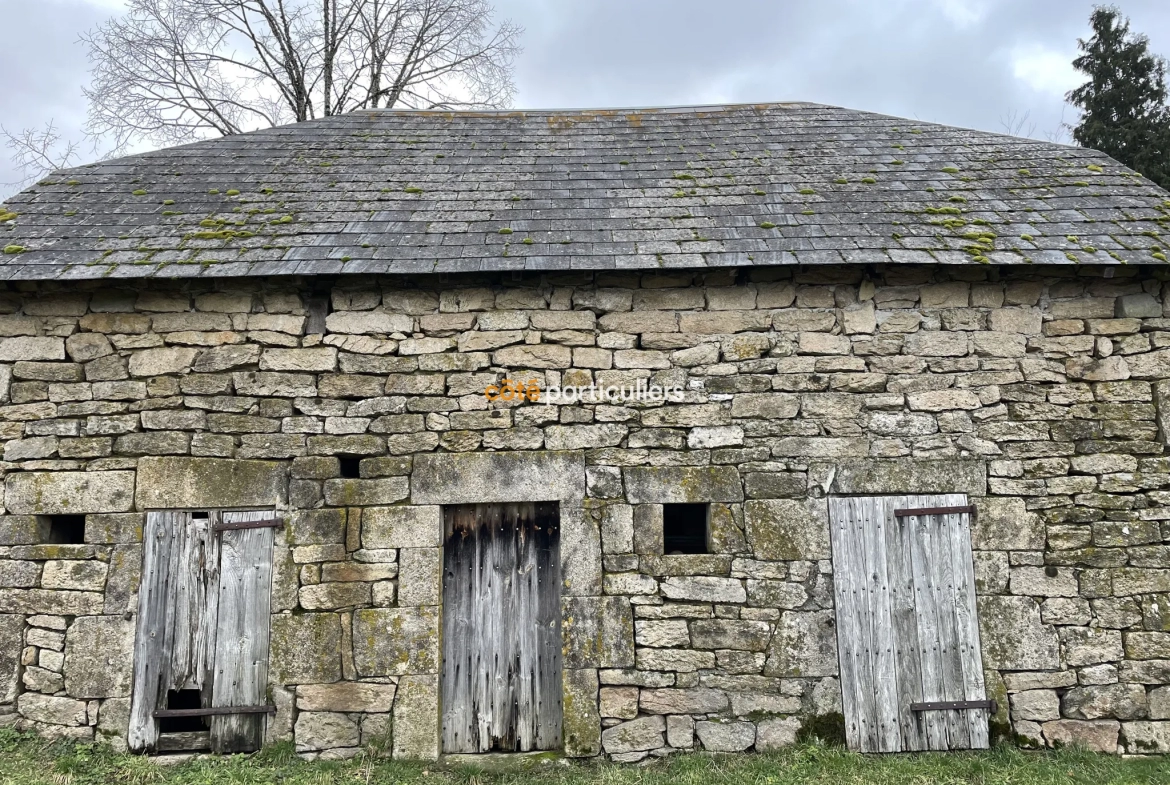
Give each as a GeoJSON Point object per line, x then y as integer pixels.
{"type": "Point", "coordinates": [973, 63]}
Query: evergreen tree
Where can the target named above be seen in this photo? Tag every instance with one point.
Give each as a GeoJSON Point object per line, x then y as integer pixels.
{"type": "Point", "coordinates": [1123, 104]}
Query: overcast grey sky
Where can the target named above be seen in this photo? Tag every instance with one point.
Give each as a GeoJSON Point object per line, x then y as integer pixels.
{"type": "Point", "coordinates": [963, 62]}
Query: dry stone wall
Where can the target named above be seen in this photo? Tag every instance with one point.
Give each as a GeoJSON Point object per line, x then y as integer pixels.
{"type": "Point", "coordinates": [1041, 393]}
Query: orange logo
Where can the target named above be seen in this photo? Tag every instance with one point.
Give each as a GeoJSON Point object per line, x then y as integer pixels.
{"type": "Point", "coordinates": [508, 390]}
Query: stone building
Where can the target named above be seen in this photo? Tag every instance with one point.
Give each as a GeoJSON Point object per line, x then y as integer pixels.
{"type": "Point", "coordinates": [876, 438]}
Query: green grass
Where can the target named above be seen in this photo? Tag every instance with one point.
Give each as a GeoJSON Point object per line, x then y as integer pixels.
{"type": "Point", "coordinates": [26, 760]}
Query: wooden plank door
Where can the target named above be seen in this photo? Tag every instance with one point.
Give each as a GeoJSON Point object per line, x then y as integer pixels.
{"type": "Point", "coordinates": [203, 620]}
{"type": "Point", "coordinates": [904, 588]}
{"type": "Point", "coordinates": [501, 680]}
{"type": "Point", "coordinates": [240, 675]}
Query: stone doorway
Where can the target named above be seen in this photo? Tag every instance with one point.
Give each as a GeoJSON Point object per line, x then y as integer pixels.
{"type": "Point", "coordinates": [501, 674]}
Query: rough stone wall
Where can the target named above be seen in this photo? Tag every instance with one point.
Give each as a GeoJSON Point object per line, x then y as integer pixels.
{"type": "Point", "coordinates": [1035, 391]}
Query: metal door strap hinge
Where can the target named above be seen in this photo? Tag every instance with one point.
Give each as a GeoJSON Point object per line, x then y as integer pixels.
{"type": "Point", "coordinates": [268, 524]}
{"type": "Point", "coordinates": [213, 712]}
{"type": "Point", "coordinates": [934, 511]}
{"type": "Point", "coordinates": [990, 705]}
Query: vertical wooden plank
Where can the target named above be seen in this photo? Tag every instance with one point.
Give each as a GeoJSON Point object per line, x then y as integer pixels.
{"type": "Point", "coordinates": [922, 552]}
{"type": "Point", "coordinates": [240, 676]}
{"type": "Point", "coordinates": [854, 628]}
{"type": "Point", "coordinates": [880, 634]}
{"type": "Point", "coordinates": [191, 624]}
{"type": "Point", "coordinates": [904, 623]}
{"type": "Point", "coordinates": [501, 685]}
{"type": "Point", "coordinates": [943, 585]}
{"type": "Point", "coordinates": [967, 625]}
{"type": "Point", "coordinates": [151, 656]}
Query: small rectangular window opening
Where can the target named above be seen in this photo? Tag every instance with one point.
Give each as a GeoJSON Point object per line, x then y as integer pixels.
{"type": "Point", "coordinates": [200, 515]}
{"type": "Point", "coordinates": [350, 467]}
{"type": "Point", "coordinates": [182, 699]}
{"type": "Point", "coordinates": [684, 528]}
{"type": "Point", "coordinates": [66, 529]}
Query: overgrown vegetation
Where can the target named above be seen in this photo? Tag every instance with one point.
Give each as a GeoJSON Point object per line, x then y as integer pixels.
{"type": "Point", "coordinates": [26, 760]}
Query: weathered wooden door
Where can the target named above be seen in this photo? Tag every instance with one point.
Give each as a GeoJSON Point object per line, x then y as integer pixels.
{"type": "Point", "coordinates": [907, 633]}
{"type": "Point", "coordinates": [203, 622]}
{"type": "Point", "coordinates": [501, 688]}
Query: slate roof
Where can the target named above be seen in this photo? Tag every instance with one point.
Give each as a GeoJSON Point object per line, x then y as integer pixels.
{"type": "Point", "coordinates": [421, 192]}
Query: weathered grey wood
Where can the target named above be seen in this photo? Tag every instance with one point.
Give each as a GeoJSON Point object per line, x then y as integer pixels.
{"type": "Point", "coordinates": [922, 550]}
{"type": "Point", "coordinates": [189, 741]}
{"type": "Point", "coordinates": [905, 627]}
{"type": "Point", "coordinates": [240, 676]}
{"type": "Point", "coordinates": [881, 631]}
{"type": "Point", "coordinates": [907, 633]}
{"type": "Point", "coordinates": [967, 630]}
{"type": "Point", "coordinates": [851, 605]}
{"type": "Point", "coordinates": [151, 656]}
{"type": "Point", "coordinates": [501, 685]}
{"type": "Point", "coordinates": [944, 601]}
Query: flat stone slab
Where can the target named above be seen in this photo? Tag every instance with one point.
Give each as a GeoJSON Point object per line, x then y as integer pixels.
{"type": "Point", "coordinates": [486, 478]}
{"type": "Point", "coordinates": [69, 493]}
{"type": "Point", "coordinates": [195, 483]}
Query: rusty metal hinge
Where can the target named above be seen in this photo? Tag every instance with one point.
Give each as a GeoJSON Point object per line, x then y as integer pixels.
{"type": "Point", "coordinates": [265, 524]}
{"type": "Point", "coordinates": [970, 509]}
{"type": "Point", "coordinates": [990, 705]}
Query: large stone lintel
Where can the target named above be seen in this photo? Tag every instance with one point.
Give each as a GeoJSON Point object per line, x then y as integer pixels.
{"type": "Point", "coordinates": [69, 493]}
{"type": "Point", "coordinates": [490, 477]}
{"type": "Point", "coordinates": [910, 475]}
{"type": "Point", "coordinates": [194, 483]}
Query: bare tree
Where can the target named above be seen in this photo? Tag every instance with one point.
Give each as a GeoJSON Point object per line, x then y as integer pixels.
{"type": "Point", "coordinates": [173, 71]}
{"type": "Point", "coordinates": [1016, 124]}
{"type": "Point", "coordinates": [39, 150]}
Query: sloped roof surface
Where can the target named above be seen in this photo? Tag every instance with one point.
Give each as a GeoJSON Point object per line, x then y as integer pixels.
{"type": "Point", "coordinates": [420, 192]}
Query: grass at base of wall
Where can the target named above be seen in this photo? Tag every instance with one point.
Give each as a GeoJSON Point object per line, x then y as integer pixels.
{"type": "Point", "coordinates": [27, 760]}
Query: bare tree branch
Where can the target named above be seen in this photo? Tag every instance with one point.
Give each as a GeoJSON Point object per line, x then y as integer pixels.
{"type": "Point", "coordinates": [1016, 124]}
{"type": "Point", "coordinates": [173, 71]}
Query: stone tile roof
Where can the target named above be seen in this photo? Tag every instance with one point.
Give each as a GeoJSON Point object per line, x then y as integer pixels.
{"type": "Point", "coordinates": [420, 192]}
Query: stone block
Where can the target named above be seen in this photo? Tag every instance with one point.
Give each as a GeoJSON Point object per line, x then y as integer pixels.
{"type": "Point", "coordinates": [69, 493]}
{"type": "Point", "coordinates": [23, 529]}
{"type": "Point", "coordinates": [776, 733]}
{"type": "Point", "coordinates": [645, 733]}
{"type": "Point", "coordinates": [788, 529]}
{"type": "Point", "coordinates": [1005, 523]}
{"type": "Point", "coordinates": [305, 648]}
{"type": "Point", "coordinates": [619, 702]}
{"type": "Point", "coordinates": [11, 636]}
{"type": "Point", "coordinates": [1144, 738]}
{"type": "Point", "coordinates": [368, 323]}
{"type": "Point", "coordinates": [359, 493]}
{"type": "Point", "coordinates": [1036, 705]}
{"type": "Point", "coordinates": [162, 361]}
{"type": "Point", "coordinates": [682, 484]}
{"type": "Point", "coordinates": [1095, 736]}
{"type": "Point", "coordinates": [75, 574]}
{"type": "Point", "coordinates": [396, 641]}
{"type": "Point", "coordinates": [910, 476]}
{"type": "Point", "coordinates": [402, 527]}
{"type": "Point", "coordinates": [325, 731]}
{"type": "Point", "coordinates": [739, 635]}
{"type": "Point", "coordinates": [745, 703]}
{"type": "Point", "coordinates": [317, 527]}
{"type": "Point", "coordinates": [680, 660]}
{"type": "Point", "coordinates": [581, 723]}
{"type": "Point", "coordinates": [1014, 637]}
{"type": "Point", "coordinates": [1090, 645]}
{"type": "Point", "coordinates": [665, 633]}
{"type": "Point", "coordinates": [680, 732]}
{"type": "Point", "coordinates": [27, 348]}
{"type": "Point", "coordinates": [1044, 581]}
{"type": "Point", "coordinates": [704, 589]}
{"type": "Point", "coordinates": [805, 645]}
{"type": "Point", "coordinates": [697, 700]}
{"type": "Point", "coordinates": [483, 478]}
{"type": "Point", "coordinates": [1137, 306]}
{"type": "Point", "coordinates": [416, 718]}
{"type": "Point", "coordinates": [198, 483]}
{"type": "Point", "coordinates": [1111, 701]}
{"type": "Point", "coordinates": [1147, 645]}
{"type": "Point", "coordinates": [769, 406]}
{"type": "Point", "coordinates": [99, 657]}
{"type": "Point", "coordinates": [345, 696]}
{"type": "Point", "coordinates": [420, 576]}
{"type": "Point", "coordinates": [52, 710]}
{"type": "Point", "coordinates": [598, 632]}
{"type": "Point", "coordinates": [726, 736]}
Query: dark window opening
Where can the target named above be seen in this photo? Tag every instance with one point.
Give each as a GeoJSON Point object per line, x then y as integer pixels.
{"type": "Point", "coordinates": [350, 467]}
{"type": "Point", "coordinates": [684, 528]}
{"type": "Point", "coordinates": [182, 699]}
{"type": "Point", "coordinates": [66, 529]}
{"type": "Point", "coordinates": [200, 515]}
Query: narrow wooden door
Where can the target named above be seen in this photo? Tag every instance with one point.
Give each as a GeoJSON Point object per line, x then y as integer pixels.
{"type": "Point", "coordinates": [907, 633]}
{"type": "Point", "coordinates": [501, 683]}
{"type": "Point", "coordinates": [203, 624]}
